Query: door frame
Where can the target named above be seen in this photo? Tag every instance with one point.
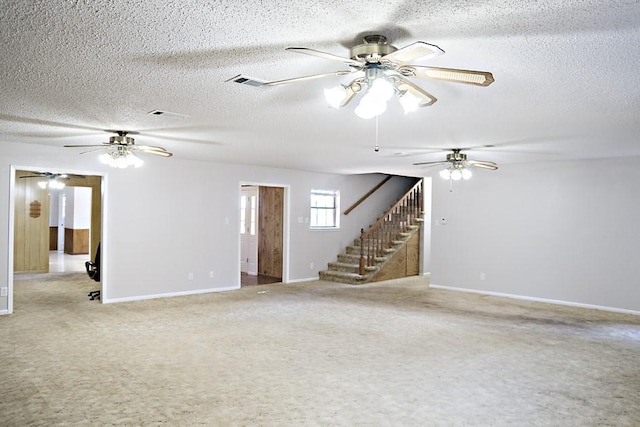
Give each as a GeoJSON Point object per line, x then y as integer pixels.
{"type": "Point", "coordinates": [286, 215]}
{"type": "Point", "coordinates": [254, 248]}
{"type": "Point", "coordinates": [103, 232]}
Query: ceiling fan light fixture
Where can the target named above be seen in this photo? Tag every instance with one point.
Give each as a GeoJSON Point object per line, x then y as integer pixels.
{"type": "Point", "coordinates": [456, 175]}
{"type": "Point", "coordinates": [382, 88]}
{"type": "Point", "coordinates": [51, 183]}
{"type": "Point", "coordinates": [456, 172]}
{"type": "Point", "coordinates": [336, 96]}
{"type": "Point", "coordinates": [121, 158]}
{"type": "Point", "coordinates": [370, 106]}
{"type": "Point", "coordinates": [409, 102]}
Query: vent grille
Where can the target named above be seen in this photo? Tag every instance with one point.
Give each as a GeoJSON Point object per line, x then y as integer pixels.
{"type": "Point", "coordinates": [249, 81]}
{"type": "Point", "coordinates": [167, 114]}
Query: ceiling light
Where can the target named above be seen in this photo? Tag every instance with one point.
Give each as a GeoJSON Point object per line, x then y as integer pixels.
{"type": "Point", "coordinates": [335, 96]}
{"type": "Point", "coordinates": [456, 172]}
{"type": "Point", "coordinates": [409, 102]}
{"type": "Point", "coordinates": [121, 158]}
{"type": "Point", "coordinates": [370, 106]}
{"type": "Point", "coordinates": [51, 183]}
{"type": "Point", "coordinates": [382, 89]}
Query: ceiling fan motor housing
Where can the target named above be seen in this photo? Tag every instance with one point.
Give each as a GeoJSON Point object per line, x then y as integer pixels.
{"type": "Point", "coordinates": [373, 48]}
{"type": "Point", "coordinates": [121, 140]}
{"type": "Point", "coordinates": [456, 156]}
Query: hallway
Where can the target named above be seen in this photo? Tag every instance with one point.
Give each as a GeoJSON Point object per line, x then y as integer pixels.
{"type": "Point", "coordinates": [59, 262]}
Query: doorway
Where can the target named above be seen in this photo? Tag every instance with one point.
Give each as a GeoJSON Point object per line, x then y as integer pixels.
{"type": "Point", "coordinates": [262, 231]}
{"type": "Point", "coordinates": [69, 228]}
{"type": "Point", "coordinates": [35, 232]}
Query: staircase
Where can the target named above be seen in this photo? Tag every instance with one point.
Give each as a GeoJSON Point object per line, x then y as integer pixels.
{"type": "Point", "coordinates": [388, 249]}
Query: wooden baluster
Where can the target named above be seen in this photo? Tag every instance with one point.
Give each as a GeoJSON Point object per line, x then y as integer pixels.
{"type": "Point", "coordinates": [361, 265]}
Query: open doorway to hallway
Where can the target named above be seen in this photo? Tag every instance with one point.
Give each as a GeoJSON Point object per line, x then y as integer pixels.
{"type": "Point", "coordinates": [262, 219]}
{"type": "Point", "coordinates": [69, 228]}
{"type": "Point", "coordinates": [55, 228]}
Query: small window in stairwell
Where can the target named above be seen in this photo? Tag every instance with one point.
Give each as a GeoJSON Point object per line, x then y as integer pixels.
{"type": "Point", "coordinates": [325, 205]}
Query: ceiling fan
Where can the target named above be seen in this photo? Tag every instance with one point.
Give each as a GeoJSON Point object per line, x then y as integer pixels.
{"type": "Point", "coordinates": [121, 148]}
{"type": "Point", "coordinates": [383, 70]}
{"type": "Point", "coordinates": [52, 180]}
{"type": "Point", "coordinates": [457, 165]}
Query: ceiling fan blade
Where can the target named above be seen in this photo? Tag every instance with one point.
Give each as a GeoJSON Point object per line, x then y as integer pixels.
{"type": "Point", "coordinates": [414, 52]}
{"type": "Point", "coordinates": [478, 78]}
{"type": "Point", "coordinates": [483, 165]}
{"type": "Point", "coordinates": [95, 149]}
{"type": "Point", "coordinates": [158, 151]}
{"type": "Point", "coordinates": [325, 55]}
{"type": "Point", "coordinates": [311, 77]}
{"type": "Point", "coordinates": [85, 145]}
{"type": "Point", "coordinates": [430, 163]}
{"type": "Point", "coordinates": [408, 86]}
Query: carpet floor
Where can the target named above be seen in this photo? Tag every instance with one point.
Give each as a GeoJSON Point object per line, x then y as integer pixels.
{"type": "Point", "coordinates": [393, 353]}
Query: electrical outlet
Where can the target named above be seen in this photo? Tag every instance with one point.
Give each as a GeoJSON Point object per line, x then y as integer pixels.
{"type": "Point", "coordinates": [211, 274]}
{"type": "Point", "coordinates": [310, 266]}
{"type": "Point", "coordinates": [4, 292]}
{"type": "Point", "coordinates": [190, 276]}
{"type": "Point", "coordinates": [482, 276]}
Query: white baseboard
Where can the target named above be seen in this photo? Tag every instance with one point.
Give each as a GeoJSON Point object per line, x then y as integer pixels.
{"type": "Point", "coordinates": [170, 294]}
{"type": "Point", "coordinates": [307, 279]}
{"type": "Point", "coordinates": [534, 299]}
{"type": "Point", "coordinates": [2, 312]}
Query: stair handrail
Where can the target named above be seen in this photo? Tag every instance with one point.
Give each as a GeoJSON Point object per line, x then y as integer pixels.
{"type": "Point", "coordinates": [381, 235]}
{"type": "Point", "coordinates": [366, 196]}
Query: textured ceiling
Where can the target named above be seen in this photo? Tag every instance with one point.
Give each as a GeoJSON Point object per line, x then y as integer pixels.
{"type": "Point", "coordinates": [566, 79]}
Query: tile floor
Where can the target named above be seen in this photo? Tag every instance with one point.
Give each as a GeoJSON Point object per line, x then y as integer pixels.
{"type": "Point", "coordinates": [59, 262]}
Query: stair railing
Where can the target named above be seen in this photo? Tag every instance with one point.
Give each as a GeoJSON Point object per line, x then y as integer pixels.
{"type": "Point", "coordinates": [379, 238]}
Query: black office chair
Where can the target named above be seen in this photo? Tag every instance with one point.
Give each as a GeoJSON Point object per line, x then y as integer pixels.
{"type": "Point", "coordinates": [93, 270]}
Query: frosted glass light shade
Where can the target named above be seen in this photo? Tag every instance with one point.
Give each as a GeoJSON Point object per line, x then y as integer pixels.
{"type": "Point", "coordinates": [370, 106]}
{"type": "Point", "coordinates": [382, 89]}
{"type": "Point", "coordinates": [409, 102]}
{"type": "Point", "coordinates": [335, 96]}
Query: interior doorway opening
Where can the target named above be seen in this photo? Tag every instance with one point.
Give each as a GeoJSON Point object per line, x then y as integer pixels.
{"type": "Point", "coordinates": [262, 234]}
{"type": "Point", "coordinates": [44, 242]}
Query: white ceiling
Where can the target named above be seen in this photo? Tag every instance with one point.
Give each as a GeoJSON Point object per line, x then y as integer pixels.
{"type": "Point", "coordinates": [566, 86]}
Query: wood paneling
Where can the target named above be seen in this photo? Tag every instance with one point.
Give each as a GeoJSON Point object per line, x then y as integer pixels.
{"type": "Point", "coordinates": [32, 235]}
{"type": "Point", "coordinates": [95, 183]}
{"type": "Point", "coordinates": [53, 238]}
{"type": "Point", "coordinates": [76, 241]}
{"type": "Point", "coordinates": [405, 262]}
{"type": "Point", "coordinates": [31, 229]}
{"type": "Point", "coordinates": [270, 231]}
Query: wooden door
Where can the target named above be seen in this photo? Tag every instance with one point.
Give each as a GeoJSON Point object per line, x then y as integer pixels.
{"type": "Point", "coordinates": [31, 226]}
{"type": "Point", "coordinates": [270, 231]}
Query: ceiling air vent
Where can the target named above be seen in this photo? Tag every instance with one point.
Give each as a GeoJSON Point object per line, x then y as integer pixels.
{"type": "Point", "coordinates": [167, 114]}
{"type": "Point", "coordinates": [249, 81]}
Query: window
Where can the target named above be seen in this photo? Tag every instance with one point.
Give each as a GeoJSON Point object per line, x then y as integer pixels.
{"type": "Point", "coordinates": [325, 205]}
{"type": "Point", "coordinates": [248, 215]}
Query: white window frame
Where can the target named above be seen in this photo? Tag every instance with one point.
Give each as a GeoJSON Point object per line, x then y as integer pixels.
{"type": "Point", "coordinates": [314, 211]}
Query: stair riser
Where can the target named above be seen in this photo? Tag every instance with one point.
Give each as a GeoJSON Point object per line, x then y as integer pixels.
{"type": "Point", "coordinates": [333, 278]}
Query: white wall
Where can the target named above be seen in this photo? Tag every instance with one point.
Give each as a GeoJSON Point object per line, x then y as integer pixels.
{"type": "Point", "coordinates": [78, 208]}
{"type": "Point", "coordinates": [563, 231]}
{"type": "Point", "coordinates": [173, 217]}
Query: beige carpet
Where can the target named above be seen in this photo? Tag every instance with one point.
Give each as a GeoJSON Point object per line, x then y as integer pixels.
{"type": "Point", "coordinates": [313, 354]}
